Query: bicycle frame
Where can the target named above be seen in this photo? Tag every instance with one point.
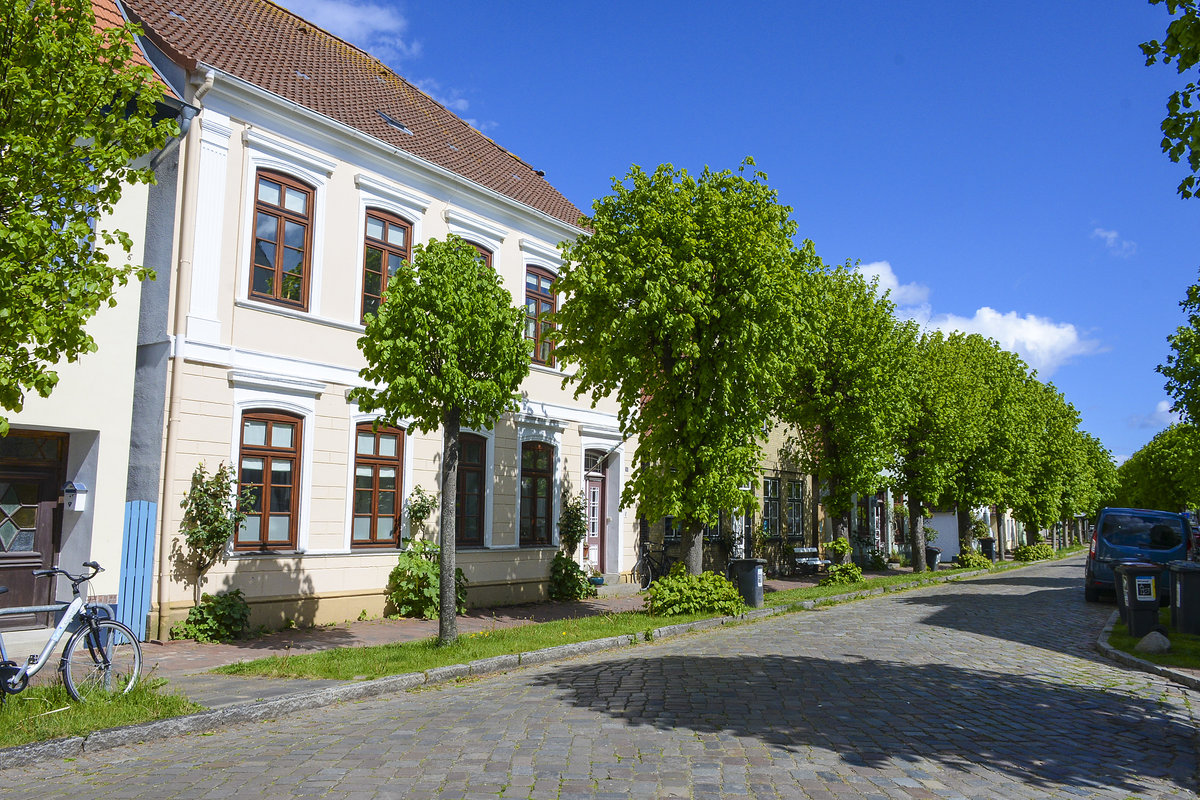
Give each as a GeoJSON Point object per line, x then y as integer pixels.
{"type": "Point", "coordinates": [35, 663]}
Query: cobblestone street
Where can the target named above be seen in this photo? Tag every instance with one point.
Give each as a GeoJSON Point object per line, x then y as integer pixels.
{"type": "Point", "coordinates": [988, 688]}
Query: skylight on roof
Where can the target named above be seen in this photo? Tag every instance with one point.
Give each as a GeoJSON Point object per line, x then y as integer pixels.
{"type": "Point", "coordinates": [395, 123]}
{"type": "Point", "coordinates": [175, 15]}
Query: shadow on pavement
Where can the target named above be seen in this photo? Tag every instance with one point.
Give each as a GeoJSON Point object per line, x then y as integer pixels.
{"type": "Point", "coordinates": [877, 713]}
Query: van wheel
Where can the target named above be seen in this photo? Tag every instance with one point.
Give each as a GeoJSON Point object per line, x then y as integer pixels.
{"type": "Point", "coordinates": [1091, 594]}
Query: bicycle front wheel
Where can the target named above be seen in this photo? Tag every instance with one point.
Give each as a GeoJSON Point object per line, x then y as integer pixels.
{"type": "Point", "coordinates": [102, 660]}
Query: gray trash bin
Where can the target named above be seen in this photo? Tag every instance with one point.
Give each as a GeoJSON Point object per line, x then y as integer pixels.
{"type": "Point", "coordinates": [988, 546]}
{"type": "Point", "coordinates": [933, 555]}
{"type": "Point", "coordinates": [1185, 596]}
{"type": "Point", "coordinates": [1138, 581]}
{"type": "Point", "coordinates": [747, 575]}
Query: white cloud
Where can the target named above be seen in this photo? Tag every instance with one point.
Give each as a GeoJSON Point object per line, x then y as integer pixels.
{"type": "Point", "coordinates": [910, 294]}
{"type": "Point", "coordinates": [1160, 418]}
{"type": "Point", "coordinates": [1113, 242]}
{"type": "Point", "coordinates": [376, 27]}
{"type": "Point", "coordinates": [1043, 343]}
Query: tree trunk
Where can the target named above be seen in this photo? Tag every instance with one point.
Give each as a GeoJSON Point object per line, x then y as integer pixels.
{"type": "Point", "coordinates": [916, 528]}
{"type": "Point", "coordinates": [964, 527]}
{"type": "Point", "coordinates": [692, 544]}
{"type": "Point", "coordinates": [815, 508]}
{"type": "Point", "coordinates": [448, 613]}
{"type": "Point", "coordinates": [1000, 538]}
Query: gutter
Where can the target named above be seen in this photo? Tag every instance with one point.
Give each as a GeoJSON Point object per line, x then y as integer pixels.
{"type": "Point", "coordinates": [187, 238]}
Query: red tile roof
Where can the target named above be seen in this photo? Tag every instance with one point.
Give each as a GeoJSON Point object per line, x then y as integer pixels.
{"type": "Point", "coordinates": [109, 16]}
{"type": "Point", "coordinates": [270, 47]}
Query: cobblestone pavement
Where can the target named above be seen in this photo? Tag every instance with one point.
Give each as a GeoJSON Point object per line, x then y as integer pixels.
{"type": "Point", "coordinates": [981, 689]}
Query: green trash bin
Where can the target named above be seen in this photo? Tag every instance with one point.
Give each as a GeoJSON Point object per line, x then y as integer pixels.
{"type": "Point", "coordinates": [1138, 581]}
{"type": "Point", "coordinates": [1185, 596]}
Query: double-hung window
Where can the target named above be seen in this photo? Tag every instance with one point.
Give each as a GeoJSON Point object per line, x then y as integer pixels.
{"type": "Point", "coordinates": [269, 471]}
{"type": "Point", "coordinates": [771, 507]}
{"type": "Point", "coordinates": [539, 304]}
{"type": "Point", "coordinates": [468, 505]}
{"type": "Point", "coordinates": [282, 240]}
{"type": "Point", "coordinates": [795, 509]}
{"type": "Point", "coordinates": [388, 244]}
{"type": "Point", "coordinates": [378, 477]}
{"type": "Point", "coordinates": [537, 491]}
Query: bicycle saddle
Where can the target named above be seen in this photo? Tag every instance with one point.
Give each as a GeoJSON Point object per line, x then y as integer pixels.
{"type": "Point", "coordinates": [3, 589]}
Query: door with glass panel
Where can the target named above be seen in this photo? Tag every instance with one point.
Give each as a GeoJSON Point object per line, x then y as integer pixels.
{"type": "Point", "coordinates": [594, 500]}
{"type": "Point", "coordinates": [28, 505]}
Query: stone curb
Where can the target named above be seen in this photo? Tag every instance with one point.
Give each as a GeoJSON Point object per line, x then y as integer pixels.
{"type": "Point", "coordinates": [301, 701]}
{"type": "Point", "coordinates": [1108, 651]}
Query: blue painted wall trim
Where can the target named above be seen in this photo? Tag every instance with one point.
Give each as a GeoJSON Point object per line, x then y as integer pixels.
{"type": "Point", "coordinates": [137, 565]}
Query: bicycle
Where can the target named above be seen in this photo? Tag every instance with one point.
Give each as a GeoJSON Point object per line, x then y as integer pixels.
{"type": "Point", "coordinates": [101, 660]}
{"type": "Point", "coordinates": [651, 564]}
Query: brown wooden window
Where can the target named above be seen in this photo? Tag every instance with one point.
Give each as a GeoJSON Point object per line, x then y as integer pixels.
{"type": "Point", "coordinates": [771, 507]}
{"type": "Point", "coordinates": [269, 469]}
{"type": "Point", "coordinates": [378, 481]}
{"type": "Point", "coordinates": [282, 240]}
{"type": "Point", "coordinates": [388, 245]}
{"type": "Point", "coordinates": [537, 491]}
{"type": "Point", "coordinates": [539, 302]}
{"type": "Point", "coordinates": [795, 508]}
{"type": "Point", "coordinates": [468, 504]}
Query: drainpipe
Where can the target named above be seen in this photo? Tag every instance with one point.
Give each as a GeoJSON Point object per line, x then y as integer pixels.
{"type": "Point", "coordinates": [187, 239]}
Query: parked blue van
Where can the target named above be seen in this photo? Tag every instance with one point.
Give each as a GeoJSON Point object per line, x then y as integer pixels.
{"type": "Point", "coordinates": [1134, 533]}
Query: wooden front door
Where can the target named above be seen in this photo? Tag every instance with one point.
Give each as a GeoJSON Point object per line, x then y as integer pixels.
{"type": "Point", "coordinates": [28, 504]}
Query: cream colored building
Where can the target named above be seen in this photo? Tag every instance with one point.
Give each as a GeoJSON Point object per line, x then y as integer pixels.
{"type": "Point", "coordinates": [310, 166]}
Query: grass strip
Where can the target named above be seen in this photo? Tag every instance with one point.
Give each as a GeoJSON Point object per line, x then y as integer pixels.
{"type": "Point", "coordinates": [1185, 648]}
{"type": "Point", "coordinates": [41, 713]}
{"type": "Point", "coordinates": [364, 663]}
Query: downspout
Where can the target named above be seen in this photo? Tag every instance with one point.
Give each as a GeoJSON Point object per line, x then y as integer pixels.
{"type": "Point", "coordinates": [187, 240]}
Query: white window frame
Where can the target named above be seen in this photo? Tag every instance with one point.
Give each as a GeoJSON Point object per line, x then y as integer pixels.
{"type": "Point", "coordinates": [269, 153]}
{"type": "Point", "coordinates": [254, 393]}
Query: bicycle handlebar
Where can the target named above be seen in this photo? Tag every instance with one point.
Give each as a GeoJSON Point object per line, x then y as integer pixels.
{"type": "Point", "coordinates": [75, 579]}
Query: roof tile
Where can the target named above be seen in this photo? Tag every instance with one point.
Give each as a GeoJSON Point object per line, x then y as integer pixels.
{"type": "Point", "coordinates": [272, 48]}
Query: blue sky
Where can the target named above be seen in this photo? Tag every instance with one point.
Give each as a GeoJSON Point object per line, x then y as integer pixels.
{"type": "Point", "coordinates": [997, 164]}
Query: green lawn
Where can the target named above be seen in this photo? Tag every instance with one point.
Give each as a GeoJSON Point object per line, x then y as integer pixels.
{"type": "Point", "coordinates": [1185, 648]}
{"type": "Point", "coordinates": [41, 713]}
{"type": "Point", "coordinates": [361, 663]}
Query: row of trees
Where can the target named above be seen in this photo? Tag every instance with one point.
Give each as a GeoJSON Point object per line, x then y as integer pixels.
{"type": "Point", "coordinates": [690, 302]}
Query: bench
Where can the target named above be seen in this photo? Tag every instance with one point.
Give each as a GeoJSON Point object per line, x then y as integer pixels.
{"type": "Point", "coordinates": [808, 559]}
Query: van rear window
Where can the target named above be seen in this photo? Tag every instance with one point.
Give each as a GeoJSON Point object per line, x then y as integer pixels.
{"type": "Point", "coordinates": [1151, 533]}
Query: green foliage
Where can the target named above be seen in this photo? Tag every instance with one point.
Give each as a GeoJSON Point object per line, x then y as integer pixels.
{"type": "Point", "coordinates": [568, 581]}
{"type": "Point", "coordinates": [75, 113]}
{"type": "Point", "coordinates": [842, 573]}
{"type": "Point", "coordinates": [1181, 127]}
{"type": "Point", "coordinates": [446, 348]}
{"type": "Point", "coordinates": [839, 547]}
{"type": "Point", "coordinates": [420, 505]}
{"type": "Point", "coordinates": [683, 593]}
{"type": "Point", "coordinates": [877, 560]}
{"type": "Point", "coordinates": [216, 618]}
{"type": "Point", "coordinates": [1163, 473]}
{"type": "Point", "coordinates": [980, 529]}
{"type": "Point", "coordinates": [682, 303]}
{"type": "Point", "coordinates": [212, 514]}
{"type": "Point", "coordinates": [413, 585]}
{"type": "Point", "coordinates": [1033, 552]}
{"type": "Point", "coordinates": [572, 524]}
{"type": "Point", "coordinates": [1182, 369]}
{"type": "Point", "coordinates": [848, 398]}
{"type": "Point", "coordinates": [969, 559]}
{"type": "Point", "coordinates": [446, 336]}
